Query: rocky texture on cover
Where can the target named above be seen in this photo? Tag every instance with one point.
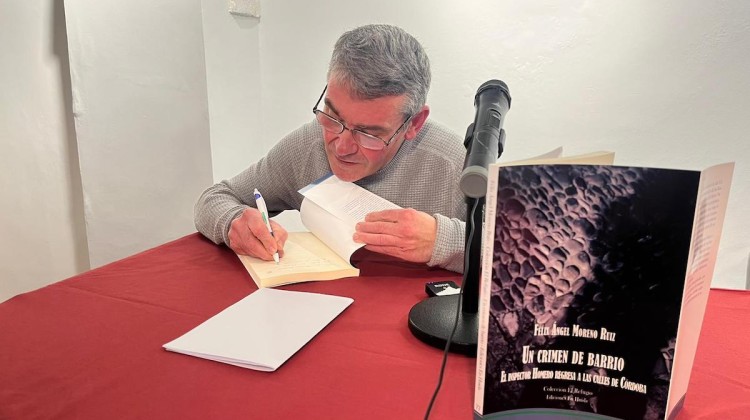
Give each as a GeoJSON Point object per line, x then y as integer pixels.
{"type": "Point", "coordinates": [597, 247]}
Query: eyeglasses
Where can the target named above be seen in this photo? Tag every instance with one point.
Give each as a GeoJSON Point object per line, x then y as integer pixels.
{"type": "Point", "coordinates": [366, 140]}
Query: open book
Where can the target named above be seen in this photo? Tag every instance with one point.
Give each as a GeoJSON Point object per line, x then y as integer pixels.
{"type": "Point", "coordinates": [593, 288]}
{"type": "Point", "coordinates": [330, 210]}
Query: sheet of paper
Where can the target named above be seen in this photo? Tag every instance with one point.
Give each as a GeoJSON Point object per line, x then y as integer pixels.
{"type": "Point", "coordinates": [263, 330]}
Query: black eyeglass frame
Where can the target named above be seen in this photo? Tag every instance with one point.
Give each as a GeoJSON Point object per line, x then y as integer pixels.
{"type": "Point", "coordinates": [317, 111]}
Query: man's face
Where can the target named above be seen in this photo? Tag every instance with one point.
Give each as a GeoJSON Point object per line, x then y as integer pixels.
{"type": "Point", "coordinates": [380, 117]}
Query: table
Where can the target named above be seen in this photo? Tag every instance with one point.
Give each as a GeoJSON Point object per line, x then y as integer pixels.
{"type": "Point", "coordinates": [90, 347]}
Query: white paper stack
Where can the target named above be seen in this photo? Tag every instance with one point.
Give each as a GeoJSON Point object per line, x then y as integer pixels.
{"type": "Point", "coordinates": [262, 330]}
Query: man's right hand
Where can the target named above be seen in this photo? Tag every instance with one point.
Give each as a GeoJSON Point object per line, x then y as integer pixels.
{"type": "Point", "coordinates": [248, 235]}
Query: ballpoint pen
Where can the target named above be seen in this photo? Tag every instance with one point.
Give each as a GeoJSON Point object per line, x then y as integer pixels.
{"type": "Point", "coordinates": [264, 212]}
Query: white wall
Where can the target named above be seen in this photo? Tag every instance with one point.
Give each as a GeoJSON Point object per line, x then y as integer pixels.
{"type": "Point", "coordinates": [139, 103]}
{"type": "Point", "coordinates": [42, 235]}
{"type": "Point", "coordinates": [233, 75]}
{"type": "Point", "coordinates": [660, 83]}
{"type": "Point", "coordinates": [232, 53]}
{"type": "Point", "coordinates": [141, 116]}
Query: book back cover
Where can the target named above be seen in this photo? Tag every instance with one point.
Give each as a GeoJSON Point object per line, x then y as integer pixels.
{"type": "Point", "coordinates": [586, 283]}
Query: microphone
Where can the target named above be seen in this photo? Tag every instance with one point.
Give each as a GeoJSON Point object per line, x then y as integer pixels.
{"type": "Point", "coordinates": [437, 320]}
{"type": "Point", "coordinates": [485, 137]}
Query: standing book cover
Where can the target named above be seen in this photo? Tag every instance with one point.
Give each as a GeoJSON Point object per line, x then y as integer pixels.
{"type": "Point", "coordinates": [594, 284]}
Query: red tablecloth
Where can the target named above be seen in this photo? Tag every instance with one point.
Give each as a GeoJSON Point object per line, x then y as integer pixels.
{"type": "Point", "coordinates": [90, 347]}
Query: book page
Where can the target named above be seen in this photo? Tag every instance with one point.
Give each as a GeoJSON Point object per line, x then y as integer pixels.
{"type": "Point", "coordinates": [713, 194]}
{"type": "Point", "coordinates": [296, 259]}
{"type": "Point", "coordinates": [332, 208]}
{"type": "Point", "coordinates": [552, 154]}
{"type": "Point", "coordinates": [305, 258]}
{"type": "Point", "coordinates": [346, 201]}
{"type": "Point", "coordinates": [332, 231]}
{"type": "Point", "coordinates": [593, 158]}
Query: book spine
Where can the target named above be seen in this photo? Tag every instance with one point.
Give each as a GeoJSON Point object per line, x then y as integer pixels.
{"type": "Point", "coordinates": [485, 286]}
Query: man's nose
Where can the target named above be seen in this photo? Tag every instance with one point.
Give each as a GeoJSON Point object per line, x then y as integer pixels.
{"type": "Point", "coordinates": [345, 143]}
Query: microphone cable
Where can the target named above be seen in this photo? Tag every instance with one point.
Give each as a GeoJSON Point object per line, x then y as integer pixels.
{"type": "Point", "coordinates": [458, 312]}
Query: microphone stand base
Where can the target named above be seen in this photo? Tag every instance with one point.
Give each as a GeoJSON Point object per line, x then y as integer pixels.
{"type": "Point", "coordinates": [432, 321]}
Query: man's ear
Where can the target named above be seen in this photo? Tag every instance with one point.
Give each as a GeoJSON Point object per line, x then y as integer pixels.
{"type": "Point", "coordinates": [416, 123]}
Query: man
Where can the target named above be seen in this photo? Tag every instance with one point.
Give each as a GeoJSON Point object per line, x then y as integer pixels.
{"type": "Point", "coordinates": [370, 128]}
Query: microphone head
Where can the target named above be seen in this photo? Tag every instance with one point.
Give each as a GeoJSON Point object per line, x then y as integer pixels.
{"type": "Point", "coordinates": [493, 84]}
{"type": "Point", "coordinates": [485, 138]}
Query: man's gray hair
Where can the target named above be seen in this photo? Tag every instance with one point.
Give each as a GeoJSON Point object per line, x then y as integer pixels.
{"type": "Point", "coordinates": [374, 61]}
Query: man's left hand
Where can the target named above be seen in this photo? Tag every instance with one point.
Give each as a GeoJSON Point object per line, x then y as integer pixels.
{"type": "Point", "coordinates": [403, 233]}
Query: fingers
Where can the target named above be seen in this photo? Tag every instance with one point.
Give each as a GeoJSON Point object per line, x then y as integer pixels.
{"type": "Point", "coordinates": [281, 235]}
{"type": "Point", "coordinates": [249, 235]}
{"type": "Point", "coordinates": [404, 233]}
{"type": "Point", "coordinates": [387, 228]}
{"type": "Point", "coordinates": [378, 238]}
{"type": "Point", "coordinates": [393, 215]}
{"type": "Point", "coordinates": [387, 250]}
{"type": "Point", "coordinates": [242, 240]}
{"type": "Point", "coordinates": [260, 231]}
{"type": "Point", "coordinates": [402, 223]}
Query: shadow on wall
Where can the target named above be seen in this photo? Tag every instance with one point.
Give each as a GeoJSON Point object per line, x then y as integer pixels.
{"type": "Point", "coordinates": [76, 210]}
{"type": "Point", "coordinates": [747, 282]}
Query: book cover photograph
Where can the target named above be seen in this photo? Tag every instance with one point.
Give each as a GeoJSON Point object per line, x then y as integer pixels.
{"type": "Point", "coordinates": [586, 276]}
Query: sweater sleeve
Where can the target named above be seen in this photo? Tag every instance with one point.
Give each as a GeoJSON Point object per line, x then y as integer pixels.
{"type": "Point", "coordinates": [223, 202]}
{"type": "Point", "coordinates": [278, 175]}
{"type": "Point", "coordinates": [448, 252]}
{"type": "Point", "coordinates": [433, 167]}
{"type": "Point", "coordinates": [215, 210]}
